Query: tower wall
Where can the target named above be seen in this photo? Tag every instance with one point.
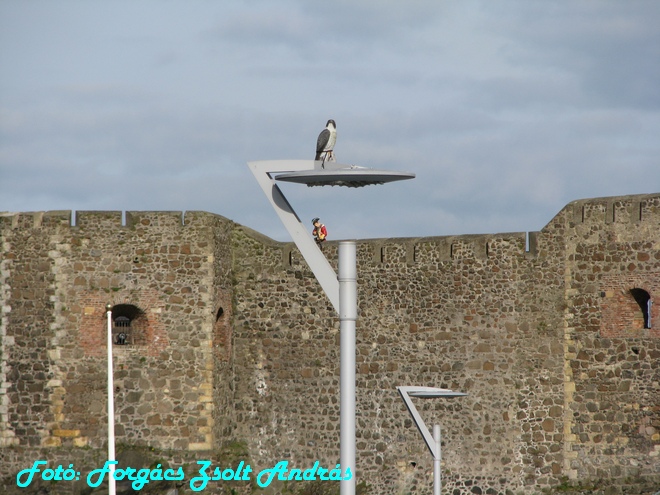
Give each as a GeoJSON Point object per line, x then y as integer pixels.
{"type": "Point", "coordinates": [58, 276]}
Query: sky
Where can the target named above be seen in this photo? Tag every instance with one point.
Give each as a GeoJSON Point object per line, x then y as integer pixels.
{"type": "Point", "coordinates": [505, 110]}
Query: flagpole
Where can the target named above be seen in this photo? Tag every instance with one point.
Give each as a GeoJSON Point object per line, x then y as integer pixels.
{"type": "Point", "coordinates": [112, 490]}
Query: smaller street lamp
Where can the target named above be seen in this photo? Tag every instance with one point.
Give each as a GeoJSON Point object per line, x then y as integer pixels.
{"type": "Point", "coordinates": [432, 441]}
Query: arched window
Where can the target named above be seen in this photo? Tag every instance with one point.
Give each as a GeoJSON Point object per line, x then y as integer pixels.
{"type": "Point", "coordinates": [126, 329]}
{"type": "Point", "coordinates": [643, 300]}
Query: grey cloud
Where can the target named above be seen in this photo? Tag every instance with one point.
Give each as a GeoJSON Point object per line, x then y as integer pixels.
{"type": "Point", "coordinates": [611, 48]}
{"type": "Point", "coordinates": [505, 110]}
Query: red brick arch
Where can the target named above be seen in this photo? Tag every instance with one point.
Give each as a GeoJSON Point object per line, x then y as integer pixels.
{"type": "Point", "coordinates": [621, 314]}
{"type": "Point", "coordinates": [92, 325]}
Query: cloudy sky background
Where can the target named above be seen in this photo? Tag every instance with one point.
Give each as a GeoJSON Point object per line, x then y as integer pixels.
{"type": "Point", "coordinates": [506, 110]}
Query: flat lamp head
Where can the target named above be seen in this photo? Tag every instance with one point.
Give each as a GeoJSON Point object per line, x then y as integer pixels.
{"type": "Point", "coordinates": [347, 176]}
{"type": "Point", "coordinates": [431, 392]}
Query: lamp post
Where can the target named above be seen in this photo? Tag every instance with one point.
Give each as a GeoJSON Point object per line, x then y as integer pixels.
{"type": "Point", "coordinates": [347, 321]}
{"type": "Point", "coordinates": [433, 442]}
{"type": "Point", "coordinates": [341, 290]}
{"type": "Point", "coordinates": [112, 490]}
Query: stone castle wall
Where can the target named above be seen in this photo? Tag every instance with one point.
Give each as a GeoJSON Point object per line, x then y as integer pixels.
{"type": "Point", "coordinates": [57, 280]}
{"type": "Point", "coordinates": [466, 313]}
{"type": "Point", "coordinates": [612, 363]}
{"type": "Point", "coordinates": [238, 344]}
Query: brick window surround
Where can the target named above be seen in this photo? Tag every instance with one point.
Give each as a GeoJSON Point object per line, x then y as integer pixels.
{"type": "Point", "coordinates": [629, 307]}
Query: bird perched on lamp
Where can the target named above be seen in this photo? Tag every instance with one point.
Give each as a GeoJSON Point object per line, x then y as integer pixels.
{"type": "Point", "coordinates": [326, 142]}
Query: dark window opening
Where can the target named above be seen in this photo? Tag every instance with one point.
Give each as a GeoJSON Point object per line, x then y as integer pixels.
{"type": "Point", "coordinates": [643, 299]}
{"type": "Point", "coordinates": [219, 314]}
{"type": "Point", "coordinates": [122, 321]}
{"type": "Point", "coordinates": [124, 329]}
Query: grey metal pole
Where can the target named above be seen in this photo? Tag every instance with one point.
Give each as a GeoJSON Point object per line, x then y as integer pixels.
{"type": "Point", "coordinates": [347, 318]}
{"type": "Point", "coordinates": [112, 490]}
{"type": "Point", "coordinates": [437, 473]}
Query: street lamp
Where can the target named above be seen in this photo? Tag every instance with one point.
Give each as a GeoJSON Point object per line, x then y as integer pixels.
{"type": "Point", "coordinates": [111, 407]}
{"type": "Point", "coordinates": [432, 441]}
{"type": "Point", "coordinates": [341, 290]}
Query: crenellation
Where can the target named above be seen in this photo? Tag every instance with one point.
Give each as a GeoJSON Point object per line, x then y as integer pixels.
{"type": "Point", "coordinates": [469, 246]}
{"type": "Point", "coordinates": [578, 212]}
{"type": "Point", "coordinates": [649, 210]}
{"type": "Point", "coordinates": [98, 219]}
{"type": "Point", "coordinates": [397, 253]}
{"type": "Point", "coordinates": [595, 212]}
{"type": "Point", "coordinates": [609, 212]}
{"type": "Point", "coordinates": [434, 249]}
{"type": "Point", "coordinates": [411, 251]}
{"type": "Point", "coordinates": [625, 212]}
{"type": "Point", "coordinates": [37, 219]}
{"type": "Point", "coordinates": [24, 220]}
{"type": "Point", "coordinates": [155, 219]}
{"type": "Point", "coordinates": [506, 245]}
{"type": "Point", "coordinates": [6, 220]}
{"type": "Point", "coordinates": [56, 219]}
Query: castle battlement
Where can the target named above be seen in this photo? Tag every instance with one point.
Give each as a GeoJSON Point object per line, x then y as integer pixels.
{"type": "Point", "coordinates": [637, 210]}
{"type": "Point", "coordinates": [104, 219]}
{"type": "Point", "coordinates": [643, 208]}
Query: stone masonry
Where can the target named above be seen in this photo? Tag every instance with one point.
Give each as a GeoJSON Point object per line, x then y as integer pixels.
{"type": "Point", "coordinates": [555, 336]}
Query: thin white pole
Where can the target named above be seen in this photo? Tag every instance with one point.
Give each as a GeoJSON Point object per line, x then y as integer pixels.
{"type": "Point", "coordinates": [347, 318]}
{"type": "Point", "coordinates": [437, 459]}
{"type": "Point", "coordinates": [112, 490]}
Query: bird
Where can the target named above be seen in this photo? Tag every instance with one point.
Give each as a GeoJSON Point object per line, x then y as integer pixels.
{"type": "Point", "coordinates": [326, 143]}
